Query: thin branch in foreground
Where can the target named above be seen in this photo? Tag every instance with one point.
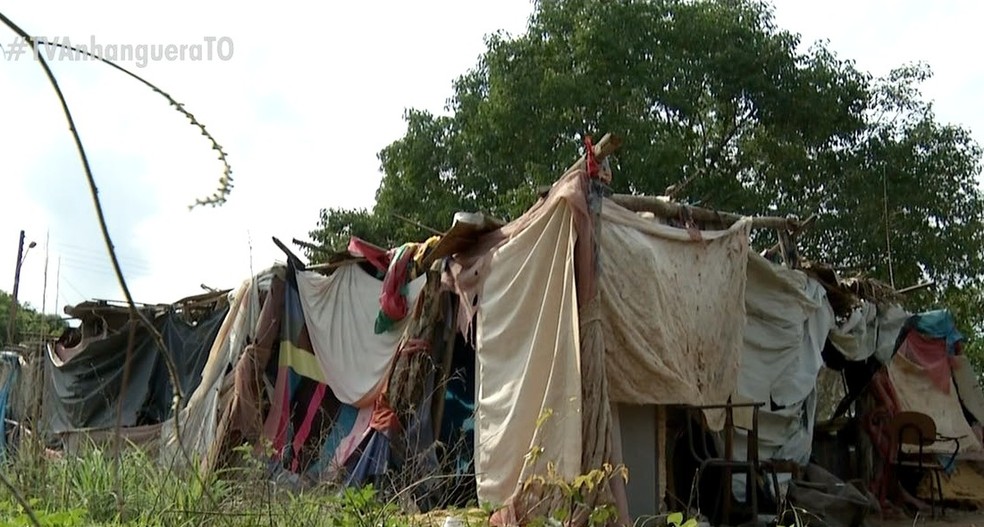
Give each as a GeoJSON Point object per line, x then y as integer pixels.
{"type": "Point", "coordinates": [221, 194]}
{"type": "Point", "coordinates": [94, 191]}
{"type": "Point", "coordinates": [20, 499]}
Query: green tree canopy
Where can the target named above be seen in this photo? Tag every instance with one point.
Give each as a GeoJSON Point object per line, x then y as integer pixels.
{"type": "Point", "coordinates": [708, 96]}
{"type": "Point", "coordinates": [30, 324]}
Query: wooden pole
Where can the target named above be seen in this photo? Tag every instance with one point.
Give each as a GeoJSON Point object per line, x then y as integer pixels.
{"type": "Point", "coordinates": [607, 146]}
{"type": "Point", "coordinates": [417, 224]}
{"type": "Point", "coordinates": [661, 458]}
{"type": "Point", "coordinates": [13, 299]}
{"type": "Point", "coordinates": [57, 284]}
{"type": "Point", "coordinates": [450, 334]}
{"type": "Point", "coordinates": [916, 287]}
{"type": "Point", "coordinates": [668, 209]}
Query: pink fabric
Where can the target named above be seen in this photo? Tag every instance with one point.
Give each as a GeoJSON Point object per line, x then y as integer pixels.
{"type": "Point", "coordinates": [351, 441]}
{"type": "Point", "coordinates": [302, 434]}
{"type": "Point", "coordinates": [275, 428]}
{"type": "Point", "coordinates": [413, 346]}
{"type": "Point", "coordinates": [931, 355]}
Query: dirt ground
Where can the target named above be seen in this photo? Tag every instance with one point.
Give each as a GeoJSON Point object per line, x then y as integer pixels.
{"type": "Point", "coordinates": [952, 519]}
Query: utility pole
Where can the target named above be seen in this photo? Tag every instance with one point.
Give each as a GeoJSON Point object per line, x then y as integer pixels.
{"type": "Point", "coordinates": [13, 298]}
{"type": "Point", "coordinates": [21, 253]}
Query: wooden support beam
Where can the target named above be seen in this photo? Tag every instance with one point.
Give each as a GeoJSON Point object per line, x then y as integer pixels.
{"type": "Point", "coordinates": [607, 146]}
{"type": "Point", "coordinates": [297, 262]}
{"type": "Point", "coordinates": [444, 374]}
{"type": "Point", "coordinates": [334, 265]}
{"type": "Point", "coordinates": [916, 287]}
{"type": "Point", "coordinates": [668, 209]}
{"type": "Point", "coordinates": [417, 224]}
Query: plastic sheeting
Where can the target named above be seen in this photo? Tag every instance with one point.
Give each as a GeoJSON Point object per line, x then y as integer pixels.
{"type": "Point", "coordinates": [85, 390]}
{"type": "Point", "coordinates": [340, 311]}
{"type": "Point", "coordinates": [869, 330]}
{"type": "Point", "coordinates": [969, 387]}
{"type": "Point", "coordinates": [10, 365]}
{"type": "Point", "coordinates": [788, 321]}
{"type": "Point", "coordinates": [916, 391]}
{"type": "Point", "coordinates": [193, 433]}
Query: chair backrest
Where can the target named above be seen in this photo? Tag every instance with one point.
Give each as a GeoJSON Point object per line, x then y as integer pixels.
{"type": "Point", "coordinates": [913, 428]}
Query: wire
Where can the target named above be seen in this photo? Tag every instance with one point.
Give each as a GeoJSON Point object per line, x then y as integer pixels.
{"type": "Point", "coordinates": [888, 229]}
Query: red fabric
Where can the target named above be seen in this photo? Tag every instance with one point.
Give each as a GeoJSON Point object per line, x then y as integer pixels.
{"type": "Point", "coordinates": [378, 257]}
{"type": "Point", "coordinates": [930, 354]}
{"type": "Point", "coordinates": [590, 157]}
{"type": "Point", "coordinates": [875, 423]}
{"type": "Point", "coordinates": [384, 418]}
{"type": "Point", "coordinates": [392, 302]}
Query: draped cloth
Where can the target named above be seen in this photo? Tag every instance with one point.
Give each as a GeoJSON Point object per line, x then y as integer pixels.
{"type": "Point", "coordinates": [536, 290]}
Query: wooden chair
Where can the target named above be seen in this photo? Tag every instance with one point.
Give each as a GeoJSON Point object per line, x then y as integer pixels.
{"type": "Point", "coordinates": [919, 430]}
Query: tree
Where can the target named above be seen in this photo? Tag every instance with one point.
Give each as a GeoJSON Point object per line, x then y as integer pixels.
{"type": "Point", "coordinates": [712, 98]}
{"type": "Point", "coordinates": [30, 323]}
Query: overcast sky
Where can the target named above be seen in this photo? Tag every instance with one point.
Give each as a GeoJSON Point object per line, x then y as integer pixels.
{"type": "Point", "coordinates": [309, 96]}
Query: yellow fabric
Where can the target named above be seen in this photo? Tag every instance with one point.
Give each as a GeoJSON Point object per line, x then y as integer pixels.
{"type": "Point", "coordinates": [529, 378]}
{"type": "Point", "coordinates": [302, 361]}
{"type": "Point", "coordinates": [424, 248]}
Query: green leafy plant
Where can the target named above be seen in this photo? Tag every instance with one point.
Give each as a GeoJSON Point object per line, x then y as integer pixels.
{"type": "Point", "coordinates": [577, 494]}
{"type": "Point", "coordinates": [361, 507]}
{"type": "Point", "coordinates": [675, 519]}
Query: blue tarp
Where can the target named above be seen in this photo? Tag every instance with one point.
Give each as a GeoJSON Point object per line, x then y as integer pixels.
{"type": "Point", "coordinates": [11, 364]}
{"type": "Point", "coordinates": [938, 324]}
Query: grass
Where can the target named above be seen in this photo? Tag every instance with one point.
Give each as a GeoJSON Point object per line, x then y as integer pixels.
{"type": "Point", "coordinates": [95, 488]}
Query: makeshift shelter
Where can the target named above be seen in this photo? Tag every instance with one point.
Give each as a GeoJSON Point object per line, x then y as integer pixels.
{"type": "Point", "coordinates": [113, 371]}
{"type": "Point", "coordinates": [512, 357]}
{"type": "Point", "coordinates": [918, 367]}
{"type": "Point", "coordinates": [351, 372]}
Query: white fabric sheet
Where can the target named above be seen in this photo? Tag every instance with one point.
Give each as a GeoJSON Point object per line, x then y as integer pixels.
{"type": "Point", "coordinates": [869, 331]}
{"type": "Point", "coordinates": [340, 311]}
{"type": "Point", "coordinates": [528, 409]}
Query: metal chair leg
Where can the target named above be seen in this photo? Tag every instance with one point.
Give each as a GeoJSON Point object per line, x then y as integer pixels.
{"type": "Point", "coordinates": [939, 489]}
